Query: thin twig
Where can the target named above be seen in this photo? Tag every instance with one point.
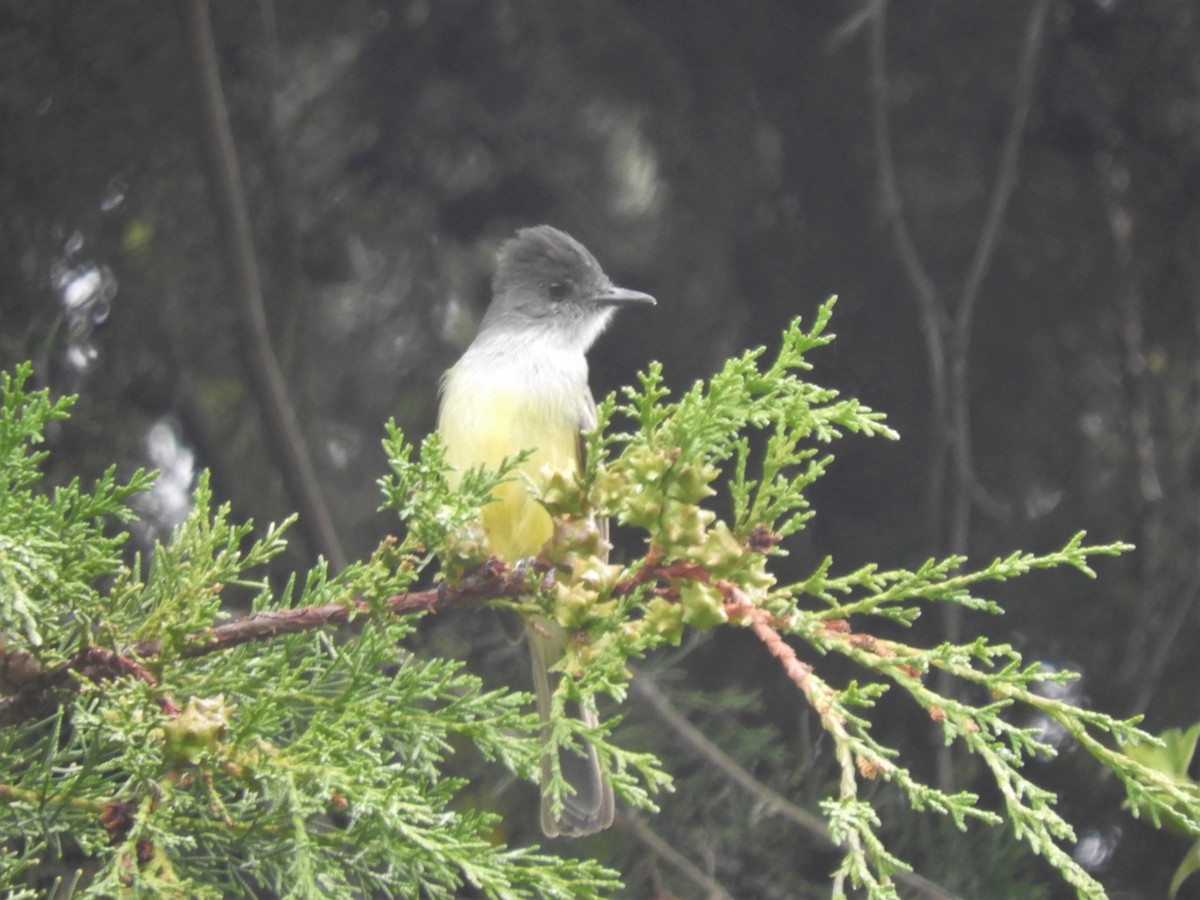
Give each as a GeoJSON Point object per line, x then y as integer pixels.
{"type": "Point", "coordinates": [1170, 628]}
{"type": "Point", "coordinates": [36, 693]}
{"type": "Point", "coordinates": [947, 335]}
{"type": "Point", "coordinates": [491, 581]}
{"type": "Point", "coordinates": [769, 800]}
{"type": "Point", "coordinates": [1006, 174]}
{"type": "Point", "coordinates": [644, 833]}
{"type": "Point", "coordinates": [985, 248]}
{"type": "Point", "coordinates": [279, 416]}
{"type": "Point", "coordinates": [1153, 634]}
{"type": "Point", "coordinates": [934, 321]}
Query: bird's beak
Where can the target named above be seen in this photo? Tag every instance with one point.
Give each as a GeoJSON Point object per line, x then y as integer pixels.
{"type": "Point", "coordinates": [618, 296]}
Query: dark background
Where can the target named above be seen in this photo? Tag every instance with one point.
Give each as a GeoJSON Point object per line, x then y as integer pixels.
{"type": "Point", "coordinates": [1031, 198]}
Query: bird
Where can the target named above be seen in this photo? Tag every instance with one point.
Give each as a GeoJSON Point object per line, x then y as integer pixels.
{"type": "Point", "coordinates": [522, 384]}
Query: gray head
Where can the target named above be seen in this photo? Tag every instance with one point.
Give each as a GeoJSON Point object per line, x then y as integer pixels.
{"type": "Point", "coordinates": [548, 285]}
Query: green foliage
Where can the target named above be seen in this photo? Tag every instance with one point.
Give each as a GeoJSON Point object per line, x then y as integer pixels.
{"type": "Point", "coordinates": [754, 431]}
{"type": "Point", "coordinates": [143, 753]}
{"type": "Point", "coordinates": [438, 519]}
{"type": "Point", "coordinates": [184, 755]}
{"type": "Point", "coordinates": [50, 546]}
{"type": "Point", "coordinates": [1171, 756]}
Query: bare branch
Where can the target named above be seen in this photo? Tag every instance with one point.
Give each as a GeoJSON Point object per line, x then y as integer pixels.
{"type": "Point", "coordinates": [490, 582]}
{"type": "Point", "coordinates": [644, 833]}
{"type": "Point", "coordinates": [985, 247]}
{"type": "Point", "coordinates": [1006, 174]}
{"type": "Point", "coordinates": [279, 416]}
{"type": "Point", "coordinates": [934, 322]}
{"type": "Point", "coordinates": [771, 801]}
{"type": "Point", "coordinates": [36, 692]}
{"type": "Point", "coordinates": [947, 333]}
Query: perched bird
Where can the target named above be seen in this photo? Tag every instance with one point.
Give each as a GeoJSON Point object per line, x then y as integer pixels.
{"type": "Point", "coordinates": [522, 384]}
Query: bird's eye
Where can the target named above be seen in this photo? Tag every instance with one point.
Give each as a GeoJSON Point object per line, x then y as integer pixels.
{"type": "Point", "coordinates": [558, 290]}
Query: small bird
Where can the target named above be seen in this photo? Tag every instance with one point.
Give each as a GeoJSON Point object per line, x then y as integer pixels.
{"type": "Point", "coordinates": [522, 384]}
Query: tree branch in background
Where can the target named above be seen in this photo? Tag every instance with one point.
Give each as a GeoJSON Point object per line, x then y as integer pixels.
{"type": "Point", "coordinates": [769, 800]}
{"type": "Point", "coordinates": [283, 433]}
{"type": "Point", "coordinates": [989, 236]}
{"type": "Point", "coordinates": [663, 850]}
{"type": "Point", "coordinates": [1164, 515]}
{"type": "Point", "coordinates": [491, 581]}
{"type": "Point", "coordinates": [296, 718]}
{"type": "Point", "coordinates": [935, 322]}
{"type": "Point", "coordinates": [33, 688]}
{"type": "Point", "coordinates": [948, 332]}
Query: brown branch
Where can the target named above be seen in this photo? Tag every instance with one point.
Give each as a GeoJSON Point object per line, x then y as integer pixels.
{"type": "Point", "coordinates": [1006, 174]}
{"type": "Point", "coordinates": [661, 848]}
{"type": "Point", "coordinates": [947, 335]}
{"type": "Point", "coordinates": [985, 247]}
{"type": "Point", "coordinates": [1155, 626]}
{"type": "Point", "coordinates": [279, 416]}
{"type": "Point", "coordinates": [765, 627]}
{"type": "Point", "coordinates": [739, 608]}
{"type": "Point", "coordinates": [36, 693]}
{"type": "Point", "coordinates": [491, 581]}
{"type": "Point", "coordinates": [934, 322]}
{"type": "Point", "coordinates": [770, 801]}
{"type": "Point", "coordinates": [820, 696]}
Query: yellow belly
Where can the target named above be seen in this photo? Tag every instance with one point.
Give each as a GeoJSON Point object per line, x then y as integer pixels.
{"type": "Point", "coordinates": [482, 427]}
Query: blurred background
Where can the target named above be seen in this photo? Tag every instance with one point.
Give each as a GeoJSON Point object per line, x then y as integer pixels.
{"type": "Point", "coordinates": [1005, 196]}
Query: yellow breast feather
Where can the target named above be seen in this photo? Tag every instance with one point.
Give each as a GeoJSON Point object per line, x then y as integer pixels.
{"type": "Point", "coordinates": [482, 422]}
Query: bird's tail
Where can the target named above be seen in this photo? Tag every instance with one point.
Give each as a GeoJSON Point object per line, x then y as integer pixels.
{"type": "Point", "coordinates": [590, 807]}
